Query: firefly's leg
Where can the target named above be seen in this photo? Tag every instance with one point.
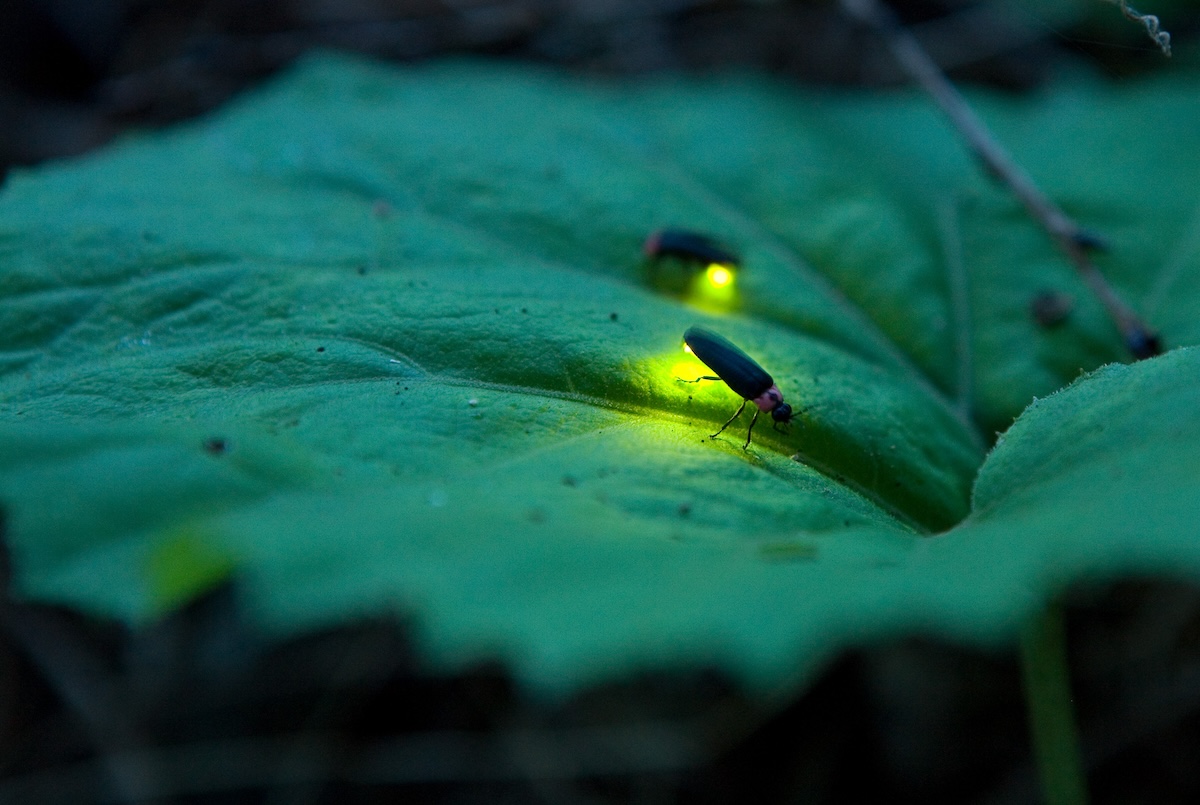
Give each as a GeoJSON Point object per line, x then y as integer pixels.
{"type": "Point", "coordinates": [735, 416]}
{"type": "Point", "coordinates": [698, 379]}
{"type": "Point", "coordinates": [752, 421]}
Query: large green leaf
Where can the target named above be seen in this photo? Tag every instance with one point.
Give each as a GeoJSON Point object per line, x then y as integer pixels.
{"type": "Point", "coordinates": [379, 339]}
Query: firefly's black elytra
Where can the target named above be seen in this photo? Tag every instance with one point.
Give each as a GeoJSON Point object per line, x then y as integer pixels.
{"type": "Point", "coordinates": [742, 374]}
{"type": "Point", "coordinates": [688, 246]}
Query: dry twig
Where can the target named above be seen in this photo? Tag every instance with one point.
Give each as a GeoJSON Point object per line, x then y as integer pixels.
{"type": "Point", "coordinates": [1072, 238]}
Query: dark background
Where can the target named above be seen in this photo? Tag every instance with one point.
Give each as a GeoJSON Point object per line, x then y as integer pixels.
{"type": "Point", "coordinates": [75, 72]}
{"type": "Point", "coordinates": [194, 710]}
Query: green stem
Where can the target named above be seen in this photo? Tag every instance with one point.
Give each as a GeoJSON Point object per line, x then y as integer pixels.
{"type": "Point", "coordinates": [1051, 715]}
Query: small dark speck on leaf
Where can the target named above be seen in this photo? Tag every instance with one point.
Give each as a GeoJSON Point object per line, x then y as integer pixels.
{"type": "Point", "coordinates": [685, 509]}
{"type": "Point", "coordinates": [1051, 308]}
{"type": "Point", "coordinates": [524, 310]}
{"type": "Point", "coordinates": [320, 349]}
{"type": "Point", "coordinates": [567, 480]}
{"type": "Point", "coordinates": [216, 446]}
{"type": "Point", "coordinates": [612, 316]}
{"type": "Point", "coordinates": [362, 270]}
{"type": "Point", "coordinates": [537, 516]}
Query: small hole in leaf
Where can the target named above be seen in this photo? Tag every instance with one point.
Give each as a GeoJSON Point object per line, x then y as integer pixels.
{"type": "Point", "coordinates": [216, 446]}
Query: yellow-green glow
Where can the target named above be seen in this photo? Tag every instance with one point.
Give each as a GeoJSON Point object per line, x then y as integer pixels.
{"type": "Point", "coordinates": [718, 275]}
{"type": "Point", "coordinates": [714, 289]}
{"type": "Point", "coordinates": [688, 370]}
{"type": "Point", "coordinates": [687, 348]}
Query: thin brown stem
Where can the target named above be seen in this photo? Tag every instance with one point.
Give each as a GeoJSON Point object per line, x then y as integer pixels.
{"type": "Point", "coordinates": [1075, 241]}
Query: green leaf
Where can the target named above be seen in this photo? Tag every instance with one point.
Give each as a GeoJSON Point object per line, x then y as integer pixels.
{"type": "Point", "coordinates": [375, 339]}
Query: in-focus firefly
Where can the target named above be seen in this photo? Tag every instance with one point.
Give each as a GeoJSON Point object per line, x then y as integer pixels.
{"type": "Point", "coordinates": [742, 374]}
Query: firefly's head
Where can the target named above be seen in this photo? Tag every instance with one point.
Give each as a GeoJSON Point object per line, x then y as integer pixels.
{"type": "Point", "coordinates": [782, 412]}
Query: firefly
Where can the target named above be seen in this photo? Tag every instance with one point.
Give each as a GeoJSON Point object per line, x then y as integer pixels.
{"type": "Point", "coordinates": [687, 245]}
{"type": "Point", "coordinates": [742, 374]}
